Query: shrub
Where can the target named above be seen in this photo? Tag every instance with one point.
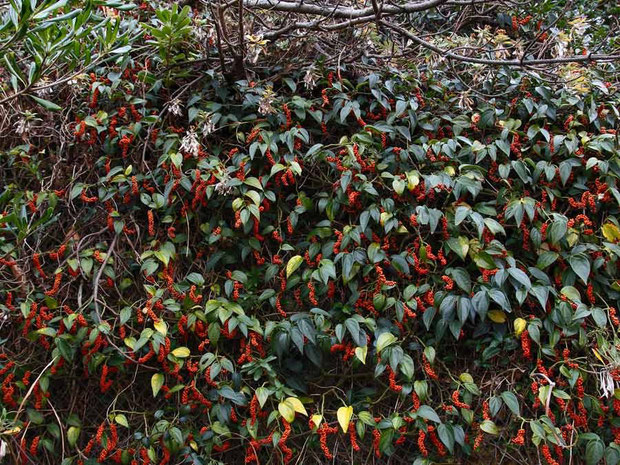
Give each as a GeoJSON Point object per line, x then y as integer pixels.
{"type": "Point", "coordinates": [342, 268]}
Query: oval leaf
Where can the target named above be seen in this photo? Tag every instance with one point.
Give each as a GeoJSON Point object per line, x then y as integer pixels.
{"type": "Point", "coordinates": [344, 415]}
{"type": "Point", "coordinates": [293, 264]}
{"type": "Point", "coordinates": [161, 327]}
{"type": "Point", "coordinates": [297, 405]}
{"type": "Point", "coordinates": [181, 352]}
{"type": "Point", "coordinates": [360, 353]}
{"type": "Point", "coordinates": [497, 316]}
{"type": "Point", "coordinates": [317, 419]}
{"type": "Point", "coordinates": [157, 381]}
{"type": "Point", "coordinates": [428, 413]}
{"type": "Point", "coordinates": [287, 411]}
{"type": "Point", "coordinates": [519, 325]}
{"type": "Point", "coordinates": [384, 340]}
{"type": "Point", "coordinates": [489, 427]}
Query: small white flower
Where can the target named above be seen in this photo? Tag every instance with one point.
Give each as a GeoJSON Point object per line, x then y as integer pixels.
{"type": "Point", "coordinates": [47, 90]}
{"type": "Point", "coordinates": [606, 382]}
{"type": "Point", "coordinates": [4, 319]}
{"type": "Point", "coordinates": [310, 78]}
{"type": "Point", "coordinates": [265, 106]}
{"type": "Point", "coordinates": [223, 188]}
{"type": "Point", "coordinates": [190, 143]}
{"type": "Point", "coordinates": [579, 26]}
{"type": "Point", "coordinates": [22, 126]}
{"type": "Point", "coordinates": [175, 107]}
{"type": "Point", "coordinates": [465, 102]}
{"type": "Point", "coordinates": [207, 126]}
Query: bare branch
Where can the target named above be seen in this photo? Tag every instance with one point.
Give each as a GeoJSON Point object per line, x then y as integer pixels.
{"type": "Point", "coordinates": [345, 12]}
{"type": "Point", "coordinates": [518, 62]}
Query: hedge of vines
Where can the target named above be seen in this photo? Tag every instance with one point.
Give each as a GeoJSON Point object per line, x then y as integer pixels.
{"type": "Point", "coordinates": [323, 267]}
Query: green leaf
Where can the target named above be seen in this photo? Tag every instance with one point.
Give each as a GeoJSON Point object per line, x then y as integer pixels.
{"type": "Point", "coordinates": [446, 434]}
{"type": "Point", "coordinates": [512, 402]}
{"type": "Point", "coordinates": [612, 454]}
{"type": "Point", "coordinates": [546, 258]}
{"type": "Point", "coordinates": [354, 328]}
{"type": "Point", "coordinates": [262, 394]}
{"type": "Point", "coordinates": [46, 104]}
{"type": "Point", "coordinates": [374, 252]}
{"type": "Point", "coordinates": [558, 230]}
{"type": "Point", "coordinates": [572, 293]}
{"type": "Point", "coordinates": [176, 159]}
{"type": "Point", "coordinates": [459, 245]}
{"type": "Point", "coordinates": [47, 331]}
{"type": "Point", "coordinates": [541, 293]}
{"type": "Point", "coordinates": [429, 353]}
{"type": "Point", "coordinates": [594, 452]}
{"type": "Point", "coordinates": [520, 276]}
{"type": "Point", "coordinates": [580, 264]}
{"type": "Point", "coordinates": [489, 427]}
{"type": "Point", "coordinates": [428, 413]}
{"type": "Point", "coordinates": [121, 50]}
{"type": "Point", "coordinates": [53, 7]}
{"type": "Point", "coordinates": [384, 340]}
{"type": "Point", "coordinates": [254, 182]}
{"type": "Point", "coordinates": [366, 418]}
{"type": "Point", "coordinates": [462, 279]}
{"type": "Point", "coordinates": [500, 298]}
{"type": "Point", "coordinates": [73, 433]}
{"type": "Point", "coordinates": [460, 214]}
{"type": "Point", "coordinates": [125, 315]}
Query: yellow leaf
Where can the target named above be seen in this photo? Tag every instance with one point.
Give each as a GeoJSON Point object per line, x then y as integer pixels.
{"type": "Point", "coordinates": [519, 325]}
{"type": "Point", "coordinates": [597, 355]}
{"type": "Point", "coordinates": [412, 180]}
{"type": "Point", "coordinates": [611, 232]}
{"type": "Point", "coordinates": [181, 352]}
{"type": "Point", "coordinates": [121, 420]}
{"type": "Point", "coordinates": [497, 316]}
{"type": "Point", "coordinates": [384, 217]}
{"type": "Point", "coordinates": [297, 405]}
{"type": "Point", "coordinates": [193, 445]}
{"type": "Point", "coordinates": [360, 353]}
{"type": "Point", "coordinates": [287, 411]}
{"type": "Point", "coordinates": [317, 419]}
{"type": "Point", "coordinates": [572, 238]}
{"type": "Point", "coordinates": [344, 415]}
{"type": "Point", "coordinates": [161, 327]}
{"type": "Point", "coordinates": [157, 381]}
{"type": "Point", "coordinates": [293, 264]}
{"type": "Point", "coordinates": [12, 431]}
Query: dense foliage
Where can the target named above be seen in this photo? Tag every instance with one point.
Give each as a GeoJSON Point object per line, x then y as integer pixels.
{"type": "Point", "coordinates": [322, 265]}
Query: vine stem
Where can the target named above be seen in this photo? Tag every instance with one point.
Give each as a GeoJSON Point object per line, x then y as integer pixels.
{"type": "Point", "coordinates": [98, 277]}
